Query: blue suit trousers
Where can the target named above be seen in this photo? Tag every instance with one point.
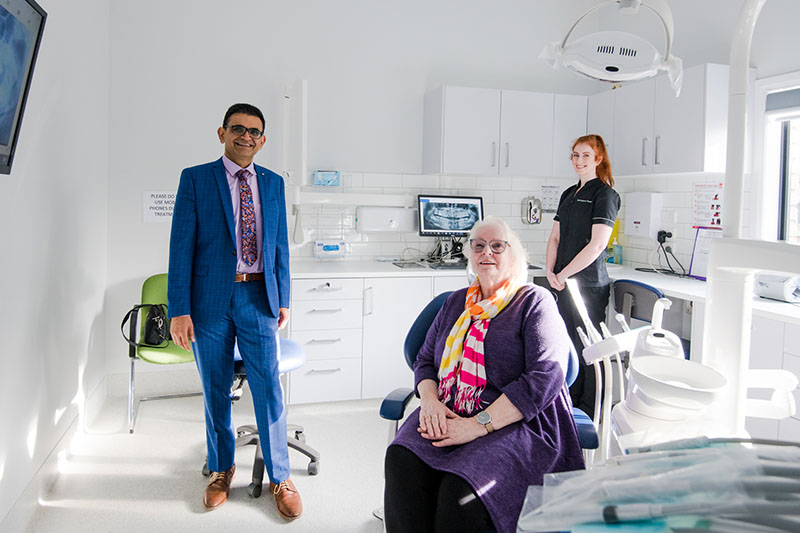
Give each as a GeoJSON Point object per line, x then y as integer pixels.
{"type": "Point", "coordinates": [250, 324]}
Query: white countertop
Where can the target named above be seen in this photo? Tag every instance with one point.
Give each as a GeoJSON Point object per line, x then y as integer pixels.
{"type": "Point", "coordinates": [672, 286]}
{"type": "Point", "coordinates": [311, 268]}
{"type": "Point", "coordinates": [695, 290]}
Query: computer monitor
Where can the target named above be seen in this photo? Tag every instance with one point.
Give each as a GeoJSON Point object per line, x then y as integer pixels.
{"type": "Point", "coordinates": [448, 216]}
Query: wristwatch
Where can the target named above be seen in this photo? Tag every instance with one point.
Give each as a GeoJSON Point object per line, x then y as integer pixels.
{"type": "Point", "coordinates": [485, 419]}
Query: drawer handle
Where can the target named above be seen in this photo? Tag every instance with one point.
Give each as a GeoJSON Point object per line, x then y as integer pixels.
{"type": "Point", "coordinates": [325, 371]}
{"type": "Point", "coordinates": [324, 341]}
{"type": "Point", "coordinates": [327, 288]}
{"type": "Point", "coordinates": [326, 311]}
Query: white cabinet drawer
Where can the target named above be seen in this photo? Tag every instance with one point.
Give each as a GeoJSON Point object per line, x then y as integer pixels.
{"type": "Point", "coordinates": [326, 314]}
{"type": "Point", "coordinates": [329, 343]}
{"type": "Point", "coordinates": [326, 289]}
{"type": "Point", "coordinates": [326, 381]}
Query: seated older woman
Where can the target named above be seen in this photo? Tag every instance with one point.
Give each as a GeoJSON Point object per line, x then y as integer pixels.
{"type": "Point", "coordinates": [495, 412]}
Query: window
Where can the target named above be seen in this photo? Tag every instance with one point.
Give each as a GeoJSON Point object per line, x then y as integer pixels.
{"type": "Point", "coordinates": [789, 190]}
{"type": "Point", "coordinates": [782, 167]}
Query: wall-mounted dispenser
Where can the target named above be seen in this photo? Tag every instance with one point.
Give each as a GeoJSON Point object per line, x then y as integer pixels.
{"type": "Point", "coordinates": [532, 210]}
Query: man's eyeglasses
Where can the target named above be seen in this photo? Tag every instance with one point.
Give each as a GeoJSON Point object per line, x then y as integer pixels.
{"type": "Point", "coordinates": [479, 245]}
{"type": "Point", "coordinates": [237, 129]}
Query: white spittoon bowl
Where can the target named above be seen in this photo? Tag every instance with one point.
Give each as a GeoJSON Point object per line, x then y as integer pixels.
{"type": "Point", "coordinates": [676, 381]}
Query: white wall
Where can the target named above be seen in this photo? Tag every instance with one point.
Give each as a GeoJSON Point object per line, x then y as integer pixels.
{"type": "Point", "coordinates": [53, 242]}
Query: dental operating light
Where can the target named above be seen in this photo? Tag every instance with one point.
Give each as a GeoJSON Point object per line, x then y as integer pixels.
{"type": "Point", "coordinates": [617, 56]}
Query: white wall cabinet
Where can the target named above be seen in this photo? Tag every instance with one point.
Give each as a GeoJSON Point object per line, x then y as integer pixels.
{"type": "Point", "coordinates": [655, 132]}
{"type": "Point", "coordinates": [569, 123]}
{"type": "Point", "coordinates": [487, 132]}
{"type": "Point", "coordinates": [390, 307]}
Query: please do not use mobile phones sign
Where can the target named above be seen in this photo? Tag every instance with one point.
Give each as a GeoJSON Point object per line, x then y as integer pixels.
{"type": "Point", "coordinates": [157, 206]}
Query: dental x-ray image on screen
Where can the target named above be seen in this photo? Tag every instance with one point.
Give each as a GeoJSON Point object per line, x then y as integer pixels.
{"type": "Point", "coordinates": [441, 216]}
{"type": "Point", "coordinates": [21, 25]}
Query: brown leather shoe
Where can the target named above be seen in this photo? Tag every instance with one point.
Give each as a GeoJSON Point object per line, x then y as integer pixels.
{"type": "Point", "coordinates": [288, 499]}
{"type": "Point", "coordinates": [219, 485]}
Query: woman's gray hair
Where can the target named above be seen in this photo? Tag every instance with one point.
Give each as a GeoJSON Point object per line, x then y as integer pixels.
{"type": "Point", "coordinates": [519, 263]}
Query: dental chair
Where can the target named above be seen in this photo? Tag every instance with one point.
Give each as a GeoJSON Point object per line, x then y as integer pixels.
{"type": "Point", "coordinates": [292, 357]}
{"type": "Point", "coordinates": [393, 407]}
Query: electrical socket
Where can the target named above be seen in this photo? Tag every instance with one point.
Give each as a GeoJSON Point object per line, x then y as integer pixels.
{"type": "Point", "coordinates": [663, 235]}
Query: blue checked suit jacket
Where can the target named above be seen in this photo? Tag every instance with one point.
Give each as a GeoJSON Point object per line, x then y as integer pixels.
{"type": "Point", "coordinates": [202, 248]}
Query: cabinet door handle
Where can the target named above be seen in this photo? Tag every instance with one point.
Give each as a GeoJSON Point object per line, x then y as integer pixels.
{"type": "Point", "coordinates": [657, 158]}
{"type": "Point", "coordinates": [326, 288]}
{"type": "Point", "coordinates": [494, 154]}
{"type": "Point", "coordinates": [368, 308]}
{"type": "Point", "coordinates": [325, 371]}
{"type": "Point", "coordinates": [508, 154]}
{"type": "Point", "coordinates": [644, 151]}
{"type": "Point", "coordinates": [326, 311]}
{"type": "Point", "coordinates": [324, 341]}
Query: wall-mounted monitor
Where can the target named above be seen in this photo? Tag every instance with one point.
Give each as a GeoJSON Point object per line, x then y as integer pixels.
{"type": "Point", "coordinates": [21, 27]}
{"type": "Point", "coordinates": [448, 216]}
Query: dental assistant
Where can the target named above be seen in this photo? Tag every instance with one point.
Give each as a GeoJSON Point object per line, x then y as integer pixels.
{"type": "Point", "coordinates": [577, 248]}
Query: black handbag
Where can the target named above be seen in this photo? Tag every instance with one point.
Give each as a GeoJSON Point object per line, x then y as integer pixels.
{"type": "Point", "coordinates": [156, 326]}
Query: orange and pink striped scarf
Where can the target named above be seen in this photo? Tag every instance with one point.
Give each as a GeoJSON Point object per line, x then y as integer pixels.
{"type": "Point", "coordinates": [462, 360]}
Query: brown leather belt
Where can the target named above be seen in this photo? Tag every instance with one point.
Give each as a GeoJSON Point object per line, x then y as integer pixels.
{"type": "Point", "coordinates": [256, 276]}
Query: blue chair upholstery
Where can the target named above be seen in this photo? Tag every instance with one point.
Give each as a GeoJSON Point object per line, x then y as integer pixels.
{"type": "Point", "coordinates": [635, 299]}
{"type": "Point", "coordinates": [394, 405]}
{"type": "Point", "coordinates": [292, 357]}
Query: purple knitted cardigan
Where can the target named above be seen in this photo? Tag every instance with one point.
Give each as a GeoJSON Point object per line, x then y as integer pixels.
{"type": "Point", "coordinates": [526, 351]}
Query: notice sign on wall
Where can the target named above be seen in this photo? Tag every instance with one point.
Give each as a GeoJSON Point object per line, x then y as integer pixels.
{"type": "Point", "coordinates": [157, 206]}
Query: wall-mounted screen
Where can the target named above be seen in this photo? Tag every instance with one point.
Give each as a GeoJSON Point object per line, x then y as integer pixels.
{"type": "Point", "coordinates": [442, 216]}
{"type": "Point", "coordinates": [21, 26]}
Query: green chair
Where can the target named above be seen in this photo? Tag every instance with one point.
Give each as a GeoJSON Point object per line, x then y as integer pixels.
{"type": "Point", "coordinates": [154, 291]}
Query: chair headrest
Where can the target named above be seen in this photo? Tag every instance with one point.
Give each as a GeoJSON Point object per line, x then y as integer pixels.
{"type": "Point", "coordinates": [419, 329]}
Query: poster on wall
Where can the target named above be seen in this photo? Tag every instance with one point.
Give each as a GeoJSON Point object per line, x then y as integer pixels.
{"type": "Point", "coordinates": [550, 194]}
{"type": "Point", "coordinates": [157, 206]}
{"type": "Point", "coordinates": [707, 205]}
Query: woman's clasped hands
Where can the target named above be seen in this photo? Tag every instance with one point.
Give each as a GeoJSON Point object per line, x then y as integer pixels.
{"type": "Point", "coordinates": [439, 424]}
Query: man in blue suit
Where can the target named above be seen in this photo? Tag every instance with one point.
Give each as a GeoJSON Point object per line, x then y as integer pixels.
{"type": "Point", "coordinates": [229, 283]}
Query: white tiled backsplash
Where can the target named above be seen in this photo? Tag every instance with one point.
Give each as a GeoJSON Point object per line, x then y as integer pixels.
{"type": "Point", "coordinates": [502, 196]}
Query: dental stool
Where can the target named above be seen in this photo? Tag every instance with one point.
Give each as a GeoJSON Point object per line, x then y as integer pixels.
{"type": "Point", "coordinates": [292, 356]}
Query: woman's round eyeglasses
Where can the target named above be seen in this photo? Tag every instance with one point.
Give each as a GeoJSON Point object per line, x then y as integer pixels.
{"type": "Point", "coordinates": [479, 245]}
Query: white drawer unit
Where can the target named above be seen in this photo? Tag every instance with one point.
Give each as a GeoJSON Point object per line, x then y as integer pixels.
{"type": "Point", "coordinates": [326, 314]}
{"type": "Point", "coordinates": [326, 319]}
{"type": "Point", "coordinates": [329, 343]}
{"type": "Point", "coordinates": [326, 380]}
{"type": "Point", "coordinates": [327, 289]}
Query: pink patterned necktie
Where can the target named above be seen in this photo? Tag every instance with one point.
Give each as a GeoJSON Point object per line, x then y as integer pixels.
{"type": "Point", "coordinates": [249, 249]}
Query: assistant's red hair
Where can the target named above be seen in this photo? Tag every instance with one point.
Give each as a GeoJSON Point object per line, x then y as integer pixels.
{"type": "Point", "coordinates": [599, 146]}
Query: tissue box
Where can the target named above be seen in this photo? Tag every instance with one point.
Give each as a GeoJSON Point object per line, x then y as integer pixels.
{"type": "Point", "coordinates": [327, 178]}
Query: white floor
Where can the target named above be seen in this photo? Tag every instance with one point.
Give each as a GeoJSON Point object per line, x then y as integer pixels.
{"type": "Point", "coordinates": [151, 480]}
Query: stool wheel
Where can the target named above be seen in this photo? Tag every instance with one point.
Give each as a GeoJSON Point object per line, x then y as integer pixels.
{"type": "Point", "coordinates": [206, 471]}
{"type": "Point", "coordinates": [254, 490]}
{"type": "Point", "coordinates": [313, 468]}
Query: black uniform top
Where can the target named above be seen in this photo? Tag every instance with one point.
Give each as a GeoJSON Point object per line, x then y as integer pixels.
{"type": "Point", "coordinates": [595, 203]}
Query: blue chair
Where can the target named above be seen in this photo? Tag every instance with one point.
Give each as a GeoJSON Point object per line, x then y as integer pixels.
{"type": "Point", "coordinates": [292, 357]}
{"type": "Point", "coordinates": [635, 299]}
{"type": "Point", "coordinates": [394, 405]}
